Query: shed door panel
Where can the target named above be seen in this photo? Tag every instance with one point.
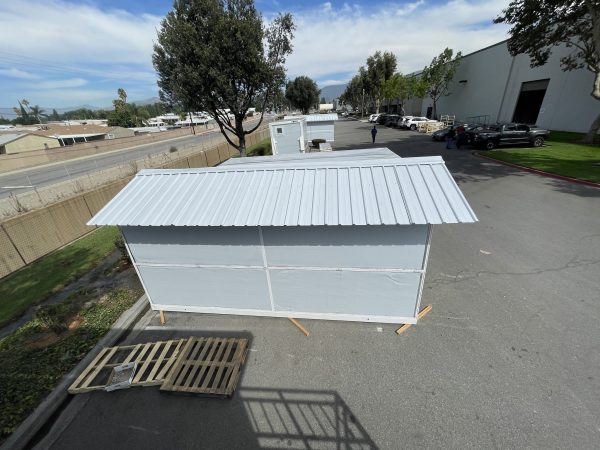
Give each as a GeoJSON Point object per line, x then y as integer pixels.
{"type": "Point", "coordinates": [321, 130]}
{"type": "Point", "coordinates": [360, 293]}
{"type": "Point", "coordinates": [194, 245]}
{"type": "Point", "coordinates": [382, 247]}
{"type": "Point", "coordinates": [207, 287]}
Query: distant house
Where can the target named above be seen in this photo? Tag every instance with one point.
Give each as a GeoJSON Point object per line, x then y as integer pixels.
{"type": "Point", "coordinates": [119, 132]}
{"type": "Point", "coordinates": [72, 134]}
{"type": "Point", "coordinates": [25, 142]}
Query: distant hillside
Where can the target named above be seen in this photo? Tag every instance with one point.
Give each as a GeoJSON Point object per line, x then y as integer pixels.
{"type": "Point", "coordinates": [333, 91]}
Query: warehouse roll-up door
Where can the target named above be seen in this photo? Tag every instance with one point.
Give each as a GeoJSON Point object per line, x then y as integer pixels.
{"type": "Point", "coordinates": [530, 101]}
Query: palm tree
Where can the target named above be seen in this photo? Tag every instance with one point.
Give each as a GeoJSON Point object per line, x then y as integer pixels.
{"type": "Point", "coordinates": [37, 112]}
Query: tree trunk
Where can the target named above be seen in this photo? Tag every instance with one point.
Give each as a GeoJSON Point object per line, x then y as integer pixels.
{"type": "Point", "coordinates": [434, 111]}
{"type": "Point", "coordinates": [589, 137]}
{"type": "Point", "coordinates": [239, 131]}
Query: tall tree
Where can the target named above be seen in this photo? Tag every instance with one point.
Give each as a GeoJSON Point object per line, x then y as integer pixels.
{"type": "Point", "coordinates": [404, 87]}
{"type": "Point", "coordinates": [302, 93]}
{"type": "Point", "coordinates": [37, 112]}
{"type": "Point", "coordinates": [380, 68]}
{"type": "Point", "coordinates": [539, 25]}
{"type": "Point", "coordinates": [214, 55]}
{"type": "Point", "coordinates": [438, 74]}
{"type": "Point", "coordinates": [353, 93]}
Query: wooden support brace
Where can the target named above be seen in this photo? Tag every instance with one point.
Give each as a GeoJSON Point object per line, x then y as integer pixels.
{"type": "Point", "coordinates": [421, 314]}
{"type": "Point", "coordinates": [299, 326]}
{"type": "Point", "coordinates": [162, 317]}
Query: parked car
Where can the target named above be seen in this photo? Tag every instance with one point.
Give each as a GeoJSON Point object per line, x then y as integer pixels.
{"type": "Point", "coordinates": [373, 118]}
{"type": "Point", "coordinates": [403, 121]}
{"type": "Point", "coordinates": [440, 135]}
{"type": "Point", "coordinates": [507, 134]}
{"type": "Point", "coordinates": [382, 118]}
{"type": "Point", "coordinates": [391, 120]}
{"type": "Point", "coordinates": [415, 121]}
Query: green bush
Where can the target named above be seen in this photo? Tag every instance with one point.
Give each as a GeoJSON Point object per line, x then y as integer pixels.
{"type": "Point", "coordinates": [173, 149]}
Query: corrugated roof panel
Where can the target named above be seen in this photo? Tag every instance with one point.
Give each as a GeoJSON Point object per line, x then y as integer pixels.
{"type": "Point", "coordinates": [296, 193]}
{"type": "Point", "coordinates": [306, 204]}
{"type": "Point", "coordinates": [331, 196]}
{"type": "Point", "coordinates": [409, 196]}
{"type": "Point", "coordinates": [383, 198]}
{"type": "Point", "coordinates": [396, 199]}
{"type": "Point", "coordinates": [371, 206]}
{"type": "Point", "coordinates": [439, 198]}
{"type": "Point", "coordinates": [345, 192]}
{"type": "Point", "coordinates": [283, 200]}
{"type": "Point", "coordinates": [422, 192]}
{"type": "Point", "coordinates": [357, 201]}
{"type": "Point", "coordinates": [344, 204]}
{"type": "Point", "coordinates": [458, 203]}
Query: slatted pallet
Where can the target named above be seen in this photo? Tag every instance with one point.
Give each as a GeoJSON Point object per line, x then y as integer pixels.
{"type": "Point", "coordinates": [154, 360]}
{"type": "Point", "coordinates": [209, 366]}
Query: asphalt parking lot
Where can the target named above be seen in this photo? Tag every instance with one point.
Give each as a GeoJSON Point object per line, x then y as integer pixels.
{"type": "Point", "coordinates": [509, 357]}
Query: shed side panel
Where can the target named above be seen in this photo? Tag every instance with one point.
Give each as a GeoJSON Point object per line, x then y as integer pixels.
{"type": "Point", "coordinates": [341, 292]}
{"type": "Point", "coordinates": [380, 247]}
{"type": "Point", "coordinates": [207, 287]}
{"type": "Point", "coordinates": [194, 245]}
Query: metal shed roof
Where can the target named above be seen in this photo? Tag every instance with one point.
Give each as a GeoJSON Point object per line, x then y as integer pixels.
{"type": "Point", "coordinates": [338, 155]}
{"type": "Point", "coordinates": [392, 191]}
{"type": "Point", "coordinates": [315, 117]}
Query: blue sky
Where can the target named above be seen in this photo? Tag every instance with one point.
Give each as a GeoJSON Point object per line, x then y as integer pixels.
{"type": "Point", "coordinates": [60, 53]}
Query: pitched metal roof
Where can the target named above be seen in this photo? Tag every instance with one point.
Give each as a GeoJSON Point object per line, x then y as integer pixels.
{"type": "Point", "coordinates": [315, 117]}
{"type": "Point", "coordinates": [9, 137]}
{"type": "Point", "coordinates": [316, 157]}
{"type": "Point", "coordinates": [392, 191]}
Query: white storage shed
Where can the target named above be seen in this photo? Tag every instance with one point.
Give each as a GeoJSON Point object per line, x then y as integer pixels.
{"type": "Point", "coordinates": [317, 237]}
{"type": "Point", "coordinates": [289, 136]}
{"type": "Point", "coordinates": [319, 126]}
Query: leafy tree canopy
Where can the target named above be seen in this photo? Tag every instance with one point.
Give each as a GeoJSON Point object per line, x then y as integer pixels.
{"type": "Point", "coordinates": [437, 76]}
{"type": "Point", "coordinates": [214, 55]}
{"type": "Point", "coordinates": [302, 93]}
{"type": "Point", "coordinates": [540, 25]}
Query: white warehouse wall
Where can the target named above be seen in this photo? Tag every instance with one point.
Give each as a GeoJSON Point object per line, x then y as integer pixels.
{"type": "Point", "coordinates": [494, 80]}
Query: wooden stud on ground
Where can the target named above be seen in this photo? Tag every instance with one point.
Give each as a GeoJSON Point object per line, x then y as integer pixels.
{"type": "Point", "coordinates": [162, 317]}
{"type": "Point", "coordinates": [421, 314]}
{"type": "Point", "coordinates": [299, 326]}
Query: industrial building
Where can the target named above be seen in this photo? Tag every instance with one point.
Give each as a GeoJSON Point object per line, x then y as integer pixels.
{"type": "Point", "coordinates": [491, 85]}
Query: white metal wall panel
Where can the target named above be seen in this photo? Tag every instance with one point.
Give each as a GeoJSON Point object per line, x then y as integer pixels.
{"type": "Point", "coordinates": [321, 130]}
{"type": "Point", "coordinates": [394, 247]}
{"type": "Point", "coordinates": [195, 287]}
{"type": "Point", "coordinates": [338, 292]}
{"type": "Point", "coordinates": [194, 245]}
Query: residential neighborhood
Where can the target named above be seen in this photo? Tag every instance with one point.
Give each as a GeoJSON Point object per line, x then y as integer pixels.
{"type": "Point", "coordinates": [246, 224]}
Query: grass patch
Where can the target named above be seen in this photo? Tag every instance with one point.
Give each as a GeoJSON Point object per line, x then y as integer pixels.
{"type": "Point", "coordinates": [558, 157]}
{"type": "Point", "coordinates": [261, 149]}
{"type": "Point", "coordinates": [49, 274]}
{"type": "Point", "coordinates": [40, 352]}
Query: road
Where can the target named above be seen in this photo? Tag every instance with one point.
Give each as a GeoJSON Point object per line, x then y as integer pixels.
{"type": "Point", "coordinates": [55, 173]}
{"type": "Point", "coordinates": [508, 358]}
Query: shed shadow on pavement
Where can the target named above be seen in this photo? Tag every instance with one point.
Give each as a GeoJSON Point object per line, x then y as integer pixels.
{"type": "Point", "coordinates": [254, 418]}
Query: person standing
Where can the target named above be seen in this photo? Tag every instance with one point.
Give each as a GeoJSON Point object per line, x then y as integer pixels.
{"type": "Point", "coordinates": [460, 136]}
{"type": "Point", "coordinates": [374, 133]}
{"type": "Point", "coordinates": [450, 138]}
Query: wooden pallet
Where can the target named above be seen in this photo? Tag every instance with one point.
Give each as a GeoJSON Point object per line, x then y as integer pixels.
{"type": "Point", "coordinates": [209, 366]}
{"type": "Point", "coordinates": [154, 360]}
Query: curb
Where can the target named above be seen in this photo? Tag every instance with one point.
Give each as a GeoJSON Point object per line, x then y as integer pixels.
{"type": "Point", "coordinates": [539, 172]}
{"type": "Point", "coordinates": [38, 418]}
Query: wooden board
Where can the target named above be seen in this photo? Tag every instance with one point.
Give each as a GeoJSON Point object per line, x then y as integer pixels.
{"type": "Point", "coordinates": [154, 360]}
{"type": "Point", "coordinates": [209, 366]}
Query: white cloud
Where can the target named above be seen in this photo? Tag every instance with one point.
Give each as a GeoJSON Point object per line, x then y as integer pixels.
{"type": "Point", "coordinates": [17, 73]}
{"type": "Point", "coordinates": [324, 83]}
{"type": "Point", "coordinates": [339, 41]}
{"type": "Point", "coordinates": [61, 84]}
{"type": "Point", "coordinates": [75, 33]}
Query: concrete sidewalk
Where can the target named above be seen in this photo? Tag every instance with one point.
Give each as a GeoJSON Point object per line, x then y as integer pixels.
{"type": "Point", "coordinates": [508, 358]}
